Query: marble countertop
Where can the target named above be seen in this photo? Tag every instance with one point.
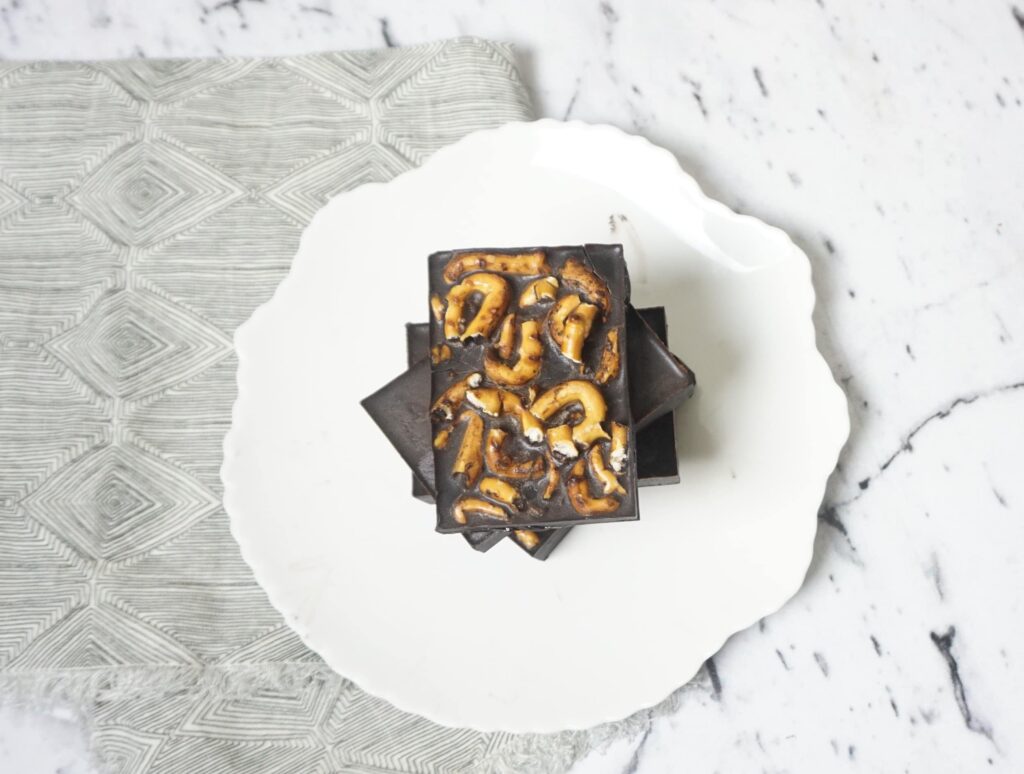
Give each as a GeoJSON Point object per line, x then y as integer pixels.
{"type": "Point", "coordinates": [885, 137]}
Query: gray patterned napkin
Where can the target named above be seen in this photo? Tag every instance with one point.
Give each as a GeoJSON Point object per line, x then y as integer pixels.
{"type": "Point", "coordinates": [146, 208]}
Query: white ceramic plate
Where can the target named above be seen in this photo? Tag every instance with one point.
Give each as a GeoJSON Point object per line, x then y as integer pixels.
{"type": "Point", "coordinates": [622, 614]}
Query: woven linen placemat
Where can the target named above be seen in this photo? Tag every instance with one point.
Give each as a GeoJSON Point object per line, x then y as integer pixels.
{"type": "Point", "coordinates": [146, 208]}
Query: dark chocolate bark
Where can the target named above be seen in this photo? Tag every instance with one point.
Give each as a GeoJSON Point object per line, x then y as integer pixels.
{"type": "Point", "coordinates": [561, 388]}
{"type": "Point", "coordinates": [399, 404]}
{"type": "Point", "coordinates": [657, 463]}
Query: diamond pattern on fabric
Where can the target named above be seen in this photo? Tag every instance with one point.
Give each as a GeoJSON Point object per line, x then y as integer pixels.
{"type": "Point", "coordinates": [169, 80]}
{"type": "Point", "coordinates": [125, 750]}
{"type": "Point", "coordinates": [10, 200]}
{"type": "Point", "coordinates": [95, 635]}
{"type": "Point", "coordinates": [58, 121]}
{"type": "Point", "coordinates": [118, 501]}
{"type": "Point", "coordinates": [146, 209]}
{"type": "Point", "coordinates": [280, 119]}
{"type": "Point", "coordinates": [133, 344]}
{"type": "Point", "coordinates": [148, 191]}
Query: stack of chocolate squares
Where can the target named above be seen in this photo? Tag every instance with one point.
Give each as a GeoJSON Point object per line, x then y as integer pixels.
{"type": "Point", "coordinates": [537, 398]}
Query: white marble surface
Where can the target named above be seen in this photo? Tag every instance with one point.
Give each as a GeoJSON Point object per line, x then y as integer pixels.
{"type": "Point", "coordinates": [885, 136]}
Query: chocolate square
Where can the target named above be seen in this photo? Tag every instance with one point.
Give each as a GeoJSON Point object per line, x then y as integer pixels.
{"type": "Point", "coordinates": [565, 310]}
{"type": "Point", "coordinates": [667, 381]}
{"type": "Point", "coordinates": [417, 347]}
{"type": "Point", "coordinates": [401, 410]}
{"type": "Point", "coordinates": [656, 460]}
